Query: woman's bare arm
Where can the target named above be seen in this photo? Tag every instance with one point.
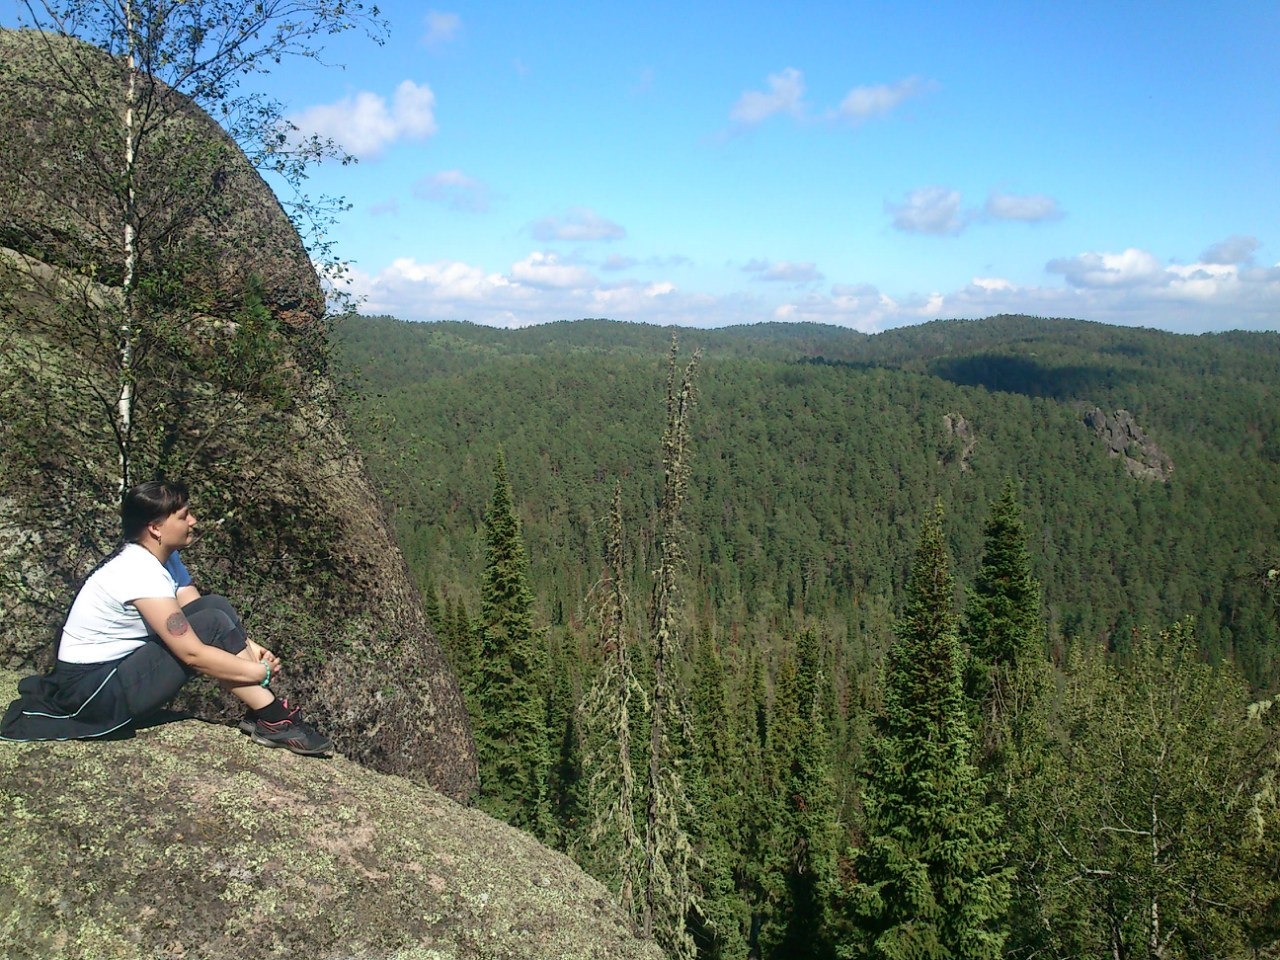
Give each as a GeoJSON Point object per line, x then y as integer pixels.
{"type": "Point", "coordinates": [165, 617]}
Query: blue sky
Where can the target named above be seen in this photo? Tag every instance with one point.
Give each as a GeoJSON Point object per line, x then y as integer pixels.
{"type": "Point", "coordinates": [863, 164]}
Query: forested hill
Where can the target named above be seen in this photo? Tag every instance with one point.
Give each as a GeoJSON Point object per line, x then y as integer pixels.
{"type": "Point", "coordinates": [817, 450]}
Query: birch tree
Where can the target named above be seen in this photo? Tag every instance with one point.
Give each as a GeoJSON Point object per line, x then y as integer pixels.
{"type": "Point", "coordinates": [1151, 833]}
{"type": "Point", "coordinates": [145, 166]}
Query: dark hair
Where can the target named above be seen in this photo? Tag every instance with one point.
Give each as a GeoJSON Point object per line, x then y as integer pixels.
{"type": "Point", "coordinates": [143, 504]}
{"type": "Point", "coordinates": [148, 502]}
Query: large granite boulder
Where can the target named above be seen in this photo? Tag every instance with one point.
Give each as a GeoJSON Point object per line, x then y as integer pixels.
{"type": "Point", "coordinates": [189, 841]}
{"type": "Point", "coordinates": [199, 200]}
{"type": "Point", "coordinates": [231, 394]}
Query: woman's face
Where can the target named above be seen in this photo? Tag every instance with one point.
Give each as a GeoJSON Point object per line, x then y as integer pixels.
{"type": "Point", "coordinates": [177, 530]}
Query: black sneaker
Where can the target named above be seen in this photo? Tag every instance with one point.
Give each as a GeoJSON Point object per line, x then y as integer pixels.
{"type": "Point", "coordinates": [292, 733]}
{"type": "Point", "coordinates": [249, 721]}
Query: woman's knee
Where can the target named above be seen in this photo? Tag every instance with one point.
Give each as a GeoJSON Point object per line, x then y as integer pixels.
{"type": "Point", "coordinates": [216, 628]}
{"type": "Point", "coordinates": [212, 601]}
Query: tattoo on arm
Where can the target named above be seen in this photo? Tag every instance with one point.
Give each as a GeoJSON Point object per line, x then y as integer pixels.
{"type": "Point", "coordinates": [177, 623]}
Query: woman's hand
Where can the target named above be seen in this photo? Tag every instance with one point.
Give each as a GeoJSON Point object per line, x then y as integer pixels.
{"type": "Point", "coordinates": [263, 655]}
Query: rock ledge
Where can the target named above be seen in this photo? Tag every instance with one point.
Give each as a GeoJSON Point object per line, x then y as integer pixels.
{"type": "Point", "coordinates": [190, 841]}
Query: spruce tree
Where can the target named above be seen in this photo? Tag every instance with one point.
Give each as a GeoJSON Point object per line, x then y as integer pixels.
{"type": "Point", "coordinates": [800, 864]}
{"type": "Point", "coordinates": [783, 735]}
{"type": "Point", "coordinates": [669, 896]}
{"type": "Point", "coordinates": [464, 644]}
{"type": "Point", "coordinates": [1003, 627]}
{"type": "Point", "coordinates": [1007, 675]}
{"type": "Point", "coordinates": [509, 718]}
{"type": "Point", "coordinates": [719, 794]}
{"type": "Point", "coordinates": [758, 810]}
{"type": "Point", "coordinates": [564, 789]}
{"type": "Point", "coordinates": [1008, 679]}
{"type": "Point", "coordinates": [930, 884]}
{"type": "Point", "coordinates": [814, 826]}
{"type": "Point", "coordinates": [612, 848]}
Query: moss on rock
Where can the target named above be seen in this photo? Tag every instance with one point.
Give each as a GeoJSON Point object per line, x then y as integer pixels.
{"type": "Point", "coordinates": [190, 841]}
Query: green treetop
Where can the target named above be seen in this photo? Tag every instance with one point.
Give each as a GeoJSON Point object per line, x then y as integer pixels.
{"type": "Point", "coordinates": [1002, 619]}
{"type": "Point", "coordinates": [510, 683]}
{"type": "Point", "coordinates": [929, 880]}
{"type": "Point", "coordinates": [800, 858]}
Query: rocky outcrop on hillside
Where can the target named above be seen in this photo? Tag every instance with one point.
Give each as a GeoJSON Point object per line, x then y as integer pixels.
{"type": "Point", "coordinates": [188, 841]}
{"type": "Point", "coordinates": [1123, 438]}
{"type": "Point", "coordinates": [961, 440]}
{"type": "Point", "coordinates": [231, 395]}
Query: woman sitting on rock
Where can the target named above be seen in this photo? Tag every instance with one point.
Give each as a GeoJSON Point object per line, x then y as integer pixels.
{"type": "Point", "coordinates": [138, 630]}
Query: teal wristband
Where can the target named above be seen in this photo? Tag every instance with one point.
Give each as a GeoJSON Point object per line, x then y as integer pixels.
{"type": "Point", "coordinates": [266, 681]}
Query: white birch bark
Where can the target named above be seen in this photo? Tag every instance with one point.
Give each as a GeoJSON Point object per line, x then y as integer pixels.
{"type": "Point", "coordinates": [124, 406]}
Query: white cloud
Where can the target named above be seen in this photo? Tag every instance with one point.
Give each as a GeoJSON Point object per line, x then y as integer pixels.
{"type": "Point", "coordinates": [1201, 281]}
{"type": "Point", "coordinates": [448, 278]}
{"type": "Point", "coordinates": [1191, 298]}
{"type": "Point", "coordinates": [860, 306]}
{"type": "Point", "coordinates": [545, 271]}
{"type": "Point", "coordinates": [992, 283]}
{"type": "Point", "coordinates": [785, 94]}
{"type": "Point", "coordinates": [939, 210]}
{"type": "Point", "coordinates": [538, 289]}
{"type": "Point", "coordinates": [1237, 249]}
{"type": "Point", "coordinates": [580, 224]}
{"type": "Point", "coordinates": [1128, 288]}
{"type": "Point", "coordinates": [1134, 287]}
{"type": "Point", "coordinates": [934, 210]}
{"type": "Point", "coordinates": [364, 124]}
{"type": "Point", "coordinates": [783, 271]}
{"type": "Point", "coordinates": [1031, 208]}
{"type": "Point", "coordinates": [633, 300]}
{"type": "Point", "coordinates": [1131, 268]}
{"type": "Point", "coordinates": [864, 103]}
{"type": "Point", "coordinates": [384, 208]}
{"type": "Point", "coordinates": [455, 190]}
{"type": "Point", "coordinates": [441, 28]}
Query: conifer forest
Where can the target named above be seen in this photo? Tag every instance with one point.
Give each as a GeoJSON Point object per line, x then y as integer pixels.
{"type": "Point", "coordinates": [955, 641]}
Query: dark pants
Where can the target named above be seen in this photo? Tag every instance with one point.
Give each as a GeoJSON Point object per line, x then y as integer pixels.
{"type": "Point", "coordinates": [151, 676]}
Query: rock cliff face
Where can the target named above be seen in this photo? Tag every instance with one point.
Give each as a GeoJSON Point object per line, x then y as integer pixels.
{"type": "Point", "coordinates": [230, 394]}
{"type": "Point", "coordinates": [188, 841]}
{"type": "Point", "coordinates": [62, 143]}
{"type": "Point", "coordinates": [1123, 438]}
{"type": "Point", "coordinates": [960, 431]}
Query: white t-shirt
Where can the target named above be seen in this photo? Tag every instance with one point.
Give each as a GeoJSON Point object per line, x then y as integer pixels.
{"type": "Point", "coordinates": [103, 623]}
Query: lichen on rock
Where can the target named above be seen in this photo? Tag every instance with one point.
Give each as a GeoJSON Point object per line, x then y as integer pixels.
{"type": "Point", "coordinates": [190, 841]}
